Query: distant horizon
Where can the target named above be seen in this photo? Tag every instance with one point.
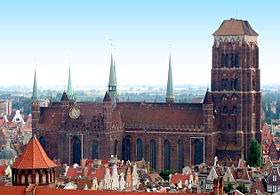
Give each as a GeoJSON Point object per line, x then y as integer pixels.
{"type": "Point", "coordinates": [139, 34]}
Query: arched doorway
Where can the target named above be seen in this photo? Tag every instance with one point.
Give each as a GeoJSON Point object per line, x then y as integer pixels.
{"type": "Point", "coordinates": [95, 149]}
{"type": "Point", "coordinates": [42, 142]}
{"type": "Point", "coordinates": [198, 152]}
{"type": "Point", "coordinates": [153, 154]}
{"type": "Point", "coordinates": [76, 150]}
{"type": "Point", "coordinates": [126, 148]}
{"type": "Point", "coordinates": [166, 155]}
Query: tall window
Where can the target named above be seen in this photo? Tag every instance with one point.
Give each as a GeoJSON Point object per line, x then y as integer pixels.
{"type": "Point", "coordinates": [76, 150]}
{"type": "Point", "coordinates": [234, 110]}
{"type": "Point", "coordinates": [116, 148]}
{"type": "Point", "coordinates": [198, 152]}
{"type": "Point", "coordinates": [126, 148]}
{"type": "Point", "coordinates": [180, 154]}
{"type": "Point", "coordinates": [153, 153]}
{"type": "Point", "coordinates": [139, 149]}
{"type": "Point", "coordinates": [166, 155]}
{"type": "Point", "coordinates": [236, 84]}
{"type": "Point", "coordinates": [225, 110]}
{"type": "Point", "coordinates": [236, 60]}
{"type": "Point", "coordinates": [94, 149]}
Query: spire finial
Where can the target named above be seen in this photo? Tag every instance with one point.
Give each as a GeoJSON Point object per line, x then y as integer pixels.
{"type": "Point", "coordinates": [35, 90]}
{"type": "Point", "coordinates": [169, 90]}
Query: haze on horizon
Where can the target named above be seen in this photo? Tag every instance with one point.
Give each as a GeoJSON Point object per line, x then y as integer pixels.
{"type": "Point", "coordinates": [138, 33]}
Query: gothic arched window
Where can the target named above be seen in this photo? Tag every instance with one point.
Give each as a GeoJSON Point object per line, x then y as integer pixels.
{"type": "Point", "coordinates": [232, 60]}
{"type": "Point", "coordinates": [153, 153]}
{"type": "Point", "coordinates": [42, 142]}
{"type": "Point", "coordinates": [236, 60]}
{"type": "Point", "coordinates": [94, 149]}
{"type": "Point", "coordinates": [226, 60]}
{"type": "Point", "coordinates": [236, 84]}
{"type": "Point", "coordinates": [76, 150]}
{"type": "Point", "coordinates": [126, 148]}
{"type": "Point", "coordinates": [234, 110]}
{"type": "Point", "coordinates": [225, 110]}
{"type": "Point", "coordinates": [139, 149]}
{"type": "Point", "coordinates": [116, 148]}
{"type": "Point", "coordinates": [166, 150]}
{"type": "Point", "coordinates": [180, 154]}
{"type": "Point", "coordinates": [223, 61]}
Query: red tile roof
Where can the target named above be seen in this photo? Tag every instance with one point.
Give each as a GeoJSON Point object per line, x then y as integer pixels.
{"type": "Point", "coordinates": [2, 121]}
{"type": "Point", "coordinates": [20, 190]}
{"type": "Point", "coordinates": [175, 178]}
{"type": "Point", "coordinates": [91, 173]}
{"type": "Point", "coordinates": [2, 170]}
{"type": "Point", "coordinates": [160, 113]}
{"type": "Point", "coordinates": [33, 157]}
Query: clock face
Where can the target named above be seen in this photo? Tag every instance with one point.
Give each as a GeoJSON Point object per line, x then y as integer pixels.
{"type": "Point", "coordinates": [74, 113]}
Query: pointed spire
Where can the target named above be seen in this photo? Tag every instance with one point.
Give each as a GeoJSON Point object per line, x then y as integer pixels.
{"type": "Point", "coordinates": [169, 90]}
{"type": "Point", "coordinates": [112, 76]}
{"type": "Point", "coordinates": [112, 86]}
{"type": "Point", "coordinates": [69, 87]}
{"type": "Point", "coordinates": [35, 96]}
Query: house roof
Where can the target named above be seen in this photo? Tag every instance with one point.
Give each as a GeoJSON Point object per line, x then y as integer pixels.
{"type": "Point", "coordinates": [235, 27]}
{"type": "Point", "coordinates": [33, 157]}
{"type": "Point", "coordinates": [175, 178]}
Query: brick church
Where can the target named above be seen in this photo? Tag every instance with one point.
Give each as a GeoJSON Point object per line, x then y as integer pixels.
{"type": "Point", "coordinates": [169, 135]}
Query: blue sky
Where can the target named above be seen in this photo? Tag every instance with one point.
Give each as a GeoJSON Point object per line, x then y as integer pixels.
{"type": "Point", "coordinates": [141, 34]}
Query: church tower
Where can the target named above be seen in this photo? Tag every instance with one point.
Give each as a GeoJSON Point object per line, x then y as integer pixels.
{"type": "Point", "coordinates": [35, 108]}
{"type": "Point", "coordinates": [235, 88]}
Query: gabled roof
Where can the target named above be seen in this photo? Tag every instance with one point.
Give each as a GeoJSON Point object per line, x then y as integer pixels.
{"type": "Point", "coordinates": [235, 27]}
{"type": "Point", "coordinates": [33, 157]}
{"type": "Point", "coordinates": [107, 97]}
{"type": "Point", "coordinates": [64, 96]}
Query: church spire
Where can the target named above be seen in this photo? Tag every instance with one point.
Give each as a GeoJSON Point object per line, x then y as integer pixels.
{"type": "Point", "coordinates": [112, 86]}
{"type": "Point", "coordinates": [169, 90]}
{"type": "Point", "coordinates": [35, 96]}
{"type": "Point", "coordinates": [69, 87]}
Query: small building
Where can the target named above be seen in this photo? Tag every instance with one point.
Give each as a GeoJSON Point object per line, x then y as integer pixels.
{"type": "Point", "coordinates": [33, 166]}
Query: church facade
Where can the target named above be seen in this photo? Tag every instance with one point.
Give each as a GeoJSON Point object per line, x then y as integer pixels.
{"type": "Point", "coordinates": [169, 135]}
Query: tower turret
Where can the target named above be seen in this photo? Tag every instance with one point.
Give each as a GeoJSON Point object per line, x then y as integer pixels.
{"type": "Point", "coordinates": [35, 108]}
{"type": "Point", "coordinates": [70, 93]}
{"type": "Point", "coordinates": [169, 90]}
{"type": "Point", "coordinates": [112, 86]}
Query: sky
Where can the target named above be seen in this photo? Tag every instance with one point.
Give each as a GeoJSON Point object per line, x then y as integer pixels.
{"type": "Point", "coordinates": [139, 33]}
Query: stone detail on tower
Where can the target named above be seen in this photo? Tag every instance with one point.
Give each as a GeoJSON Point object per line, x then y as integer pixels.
{"type": "Point", "coordinates": [169, 90]}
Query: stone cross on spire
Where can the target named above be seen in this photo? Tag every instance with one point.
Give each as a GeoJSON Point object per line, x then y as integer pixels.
{"type": "Point", "coordinates": [169, 90]}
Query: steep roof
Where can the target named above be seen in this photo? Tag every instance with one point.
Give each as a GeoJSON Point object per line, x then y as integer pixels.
{"type": "Point", "coordinates": [64, 96]}
{"type": "Point", "coordinates": [33, 157]}
{"type": "Point", "coordinates": [107, 97]}
{"type": "Point", "coordinates": [235, 27]}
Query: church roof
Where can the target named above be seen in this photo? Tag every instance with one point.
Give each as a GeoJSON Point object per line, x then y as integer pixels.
{"type": "Point", "coordinates": [235, 27]}
{"type": "Point", "coordinates": [107, 97]}
{"type": "Point", "coordinates": [64, 96]}
{"type": "Point", "coordinates": [33, 157]}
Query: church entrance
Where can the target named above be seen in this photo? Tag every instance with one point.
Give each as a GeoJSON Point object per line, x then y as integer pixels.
{"type": "Point", "coordinates": [76, 150]}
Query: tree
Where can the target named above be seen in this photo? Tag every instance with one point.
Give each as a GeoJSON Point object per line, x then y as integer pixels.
{"type": "Point", "coordinates": [228, 187]}
{"type": "Point", "coordinates": [242, 188]}
{"type": "Point", "coordinates": [165, 174]}
{"type": "Point", "coordinates": [255, 156]}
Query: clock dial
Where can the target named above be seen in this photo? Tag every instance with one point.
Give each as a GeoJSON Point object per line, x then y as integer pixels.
{"type": "Point", "coordinates": [74, 113]}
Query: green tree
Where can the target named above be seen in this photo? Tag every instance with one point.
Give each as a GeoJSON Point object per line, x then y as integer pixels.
{"type": "Point", "coordinates": [165, 174]}
{"type": "Point", "coordinates": [242, 188]}
{"type": "Point", "coordinates": [255, 156]}
{"type": "Point", "coordinates": [228, 187]}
